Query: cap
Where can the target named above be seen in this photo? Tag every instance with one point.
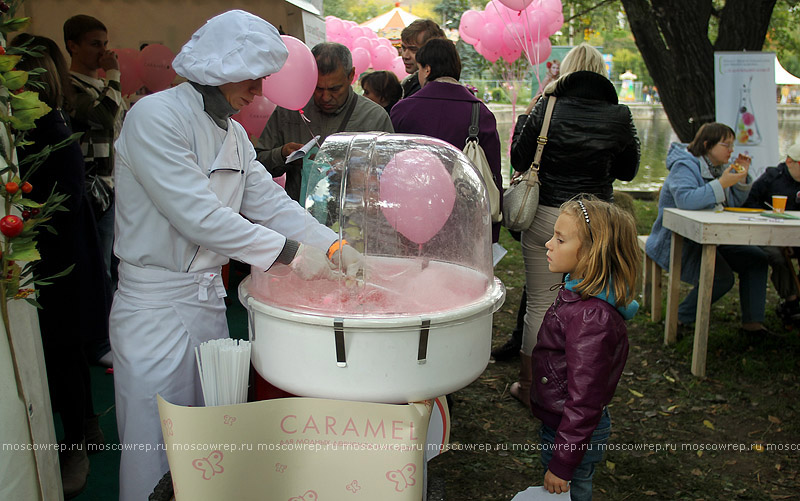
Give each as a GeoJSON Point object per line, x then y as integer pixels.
{"type": "Point", "coordinates": [231, 47]}
{"type": "Point", "coordinates": [794, 152]}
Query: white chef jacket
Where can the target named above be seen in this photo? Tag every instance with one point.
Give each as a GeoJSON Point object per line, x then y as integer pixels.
{"type": "Point", "coordinates": [167, 212]}
{"type": "Point", "coordinates": [181, 184]}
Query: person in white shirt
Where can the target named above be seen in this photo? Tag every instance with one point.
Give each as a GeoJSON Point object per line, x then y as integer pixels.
{"type": "Point", "coordinates": [189, 196]}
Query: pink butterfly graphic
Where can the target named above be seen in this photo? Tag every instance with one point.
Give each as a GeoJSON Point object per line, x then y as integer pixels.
{"type": "Point", "coordinates": [209, 465]}
{"type": "Point", "coordinates": [403, 478]}
{"type": "Point", "coordinates": [229, 420]}
{"type": "Point", "coordinates": [353, 486]}
{"type": "Point", "coordinates": [168, 425]}
{"type": "Point", "coordinates": [307, 496]}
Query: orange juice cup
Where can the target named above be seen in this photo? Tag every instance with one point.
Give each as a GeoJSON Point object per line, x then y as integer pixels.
{"type": "Point", "coordinates": [779, 203]}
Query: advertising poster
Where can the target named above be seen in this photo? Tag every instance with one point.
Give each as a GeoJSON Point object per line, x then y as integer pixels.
{"type": "Point", "coordinates": [744, 84]}
{"type": "Point", "coordinates": [549, 70]}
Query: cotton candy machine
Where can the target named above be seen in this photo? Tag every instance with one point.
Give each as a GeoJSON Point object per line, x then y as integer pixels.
{"type": "Point", "coordinates": [417, 322]}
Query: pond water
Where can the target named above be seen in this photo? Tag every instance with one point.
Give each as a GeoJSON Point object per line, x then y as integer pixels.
{"type": "Point", "coordinates": [655, 136]}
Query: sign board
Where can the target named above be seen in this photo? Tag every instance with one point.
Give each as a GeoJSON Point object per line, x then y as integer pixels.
{"type": "Point", "coordinates": [744, 85]}
{"type": "Point", "coordinates": [300, 449]}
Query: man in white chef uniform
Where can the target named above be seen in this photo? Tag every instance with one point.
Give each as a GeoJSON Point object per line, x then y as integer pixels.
{"type": "Point", "coordinates": [184, 173]}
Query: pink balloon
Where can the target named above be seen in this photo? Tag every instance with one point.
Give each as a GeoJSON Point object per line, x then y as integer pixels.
{"type": "Point", "coordinates": [538, 52]}
{"type": "Point", "coordinates": [466, 38]}
{"type": "Point", "coordinates": [333, 26]}
{"type": "Point", "coordinates": [491, 55]}
{"type": "Point", "coordinates": [471, 24]}
{"type": "Point", "coordinates": [417, 193]}
{"type": "Point", "coordinates": [382, 57]}
{"type": "Point", "coordinates": [362, 42]}
{"type": "Point", "coordinates": [536, 25]}
{"type": "Point", "coordinates": [294, 84]}
{"type": "Point", "coordinates": [510, 54]}
{"type": "Point", "coordinates": [386, 42]}
{"type": "Point", "coordinates": [516, 4]}
{"type": "Point", "coordinates": [552, 5]}
{"type": "Point", "coordinates": [281, 180]}
{"type": "Point", "coordinates": [361, 60]}
{"type": "Point", "coordinates": [555, 24]}
{"type": "Point", "coordinates": [129, 69]}
{"type": "Point", "coordinates": [254, 116]}
{"type": "Point", "coordinates": [398, 68]}
{"type": "Point", "coordinates": [514, 36]}
{"type": "Point", "coordinates": [156, 67]}
{"type": "Point", "coordinates": [492, 37]}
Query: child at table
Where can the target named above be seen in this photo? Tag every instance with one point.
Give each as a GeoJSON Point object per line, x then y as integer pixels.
{"type": "Point", "coordinates": [583, 342]}
{"type": "Point", "coordinates": [781, 180]}
{"type": "Point", "coordinates": [700, 178]}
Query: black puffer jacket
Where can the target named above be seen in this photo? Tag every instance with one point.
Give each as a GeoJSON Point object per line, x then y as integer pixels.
{"type": "Point", "coordinates": [592, 140]}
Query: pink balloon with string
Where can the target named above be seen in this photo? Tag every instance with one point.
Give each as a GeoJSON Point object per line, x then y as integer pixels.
{"type": "Point", "coordinates": [294, 84]}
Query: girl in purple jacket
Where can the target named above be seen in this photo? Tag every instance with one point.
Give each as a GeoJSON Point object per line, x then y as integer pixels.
{"type": "Point", "coordinates": [583, 342]}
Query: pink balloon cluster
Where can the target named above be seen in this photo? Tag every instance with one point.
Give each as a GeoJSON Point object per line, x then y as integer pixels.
{"type": "Point", "coordinates": [151, 68]}
{"type": "Point", "coordinates": [510, 28]}
{"type": "Point", "coordinates": [368, 49]}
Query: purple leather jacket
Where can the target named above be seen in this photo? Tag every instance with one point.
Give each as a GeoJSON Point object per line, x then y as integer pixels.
{"type": "Point", "coordinates": [577, 362]}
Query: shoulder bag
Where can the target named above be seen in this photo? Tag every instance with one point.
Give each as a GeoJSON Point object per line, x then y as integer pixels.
{"type": "Point", "coordinates": [521, 199]}
{"type": "Point", "coordinates": [475, 153]}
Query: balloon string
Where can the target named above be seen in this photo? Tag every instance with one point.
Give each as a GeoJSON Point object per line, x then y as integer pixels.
{"type": "Point", "coordinates": [308, 126]}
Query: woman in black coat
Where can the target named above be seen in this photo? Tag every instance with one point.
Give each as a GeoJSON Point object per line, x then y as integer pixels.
{"type": "Point", "coordinates": [75, 307]}
{"type": "Point", "coordinates": [592, 141]}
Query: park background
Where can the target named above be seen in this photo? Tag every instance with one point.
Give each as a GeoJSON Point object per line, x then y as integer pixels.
{"type": "Point", "coordinates": [751, 393]}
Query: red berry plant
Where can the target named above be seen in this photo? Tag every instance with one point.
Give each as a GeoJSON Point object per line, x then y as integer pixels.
{"type": "Point", "coordinates": [21, 218]}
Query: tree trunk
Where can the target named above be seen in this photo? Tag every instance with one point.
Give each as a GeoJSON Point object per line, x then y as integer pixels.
{"type": "Point", "coordinates": [673, 38]}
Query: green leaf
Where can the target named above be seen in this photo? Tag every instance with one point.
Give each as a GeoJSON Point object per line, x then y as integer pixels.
{"type": "Point", "coordinates": [16, 24]}
{"type": "Point", "coordinates": [27, 202]}
{"type": "Point", "coordinates": [34, 302]}
{"type": "Point", "coordinates": [15, 80]}
{"type": "Point", "coordinates": [8, 61]}
{"type": "Point", "coordinates": [66, 271]}
{"type": "Point", "coordinates": [24, 252]}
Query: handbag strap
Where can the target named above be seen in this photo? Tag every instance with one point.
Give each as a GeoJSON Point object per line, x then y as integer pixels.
{"type": "Point", "coordinates": [542, 139]}
{"type": "Point", "coordinates": [348, 114]}
{"type": "Point", "coordinates": [473, 126]}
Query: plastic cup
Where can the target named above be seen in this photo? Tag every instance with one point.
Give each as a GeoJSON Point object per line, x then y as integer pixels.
{"type": "Point", "coordinates": [779, 203]}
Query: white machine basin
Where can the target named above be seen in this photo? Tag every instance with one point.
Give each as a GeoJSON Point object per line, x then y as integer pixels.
{"type": "Point", "coordinates": [392, 358]}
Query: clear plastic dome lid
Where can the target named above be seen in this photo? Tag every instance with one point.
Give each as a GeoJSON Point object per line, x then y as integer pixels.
{"type": "Point", "coordinates": [416, 208]}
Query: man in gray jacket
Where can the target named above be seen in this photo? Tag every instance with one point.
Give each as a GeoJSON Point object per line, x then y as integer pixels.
{"type": "Point", "coordinates": [335, 107]}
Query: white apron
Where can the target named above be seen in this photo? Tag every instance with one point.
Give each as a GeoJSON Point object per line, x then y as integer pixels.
{"type": "Point", "coordinates": [157, 319]}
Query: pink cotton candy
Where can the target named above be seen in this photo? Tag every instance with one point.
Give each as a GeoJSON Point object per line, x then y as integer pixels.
{"type": "Point", "coordinates": [391, 287]}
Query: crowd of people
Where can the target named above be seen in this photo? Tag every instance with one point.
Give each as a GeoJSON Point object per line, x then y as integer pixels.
{"type": "Point", "coordinates": [177, 162]}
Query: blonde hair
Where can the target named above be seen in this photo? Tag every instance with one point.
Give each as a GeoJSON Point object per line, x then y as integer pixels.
{"type": "Point", "coordinates": [583, 57]}
{"type": "Point", "coordinates": [609, 254]}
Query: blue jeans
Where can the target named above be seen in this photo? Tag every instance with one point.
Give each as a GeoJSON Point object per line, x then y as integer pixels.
{"type": "Point", "coordinates": [580, 487]}
{"type": "Point", "coordinates": [750, 262]}
{"type": "Point", "coordinates": [105, 231]}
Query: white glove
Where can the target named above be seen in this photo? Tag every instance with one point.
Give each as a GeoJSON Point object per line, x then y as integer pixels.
{"type": "Point", "coordinates": [311, 263]}
{"type": "Point", "coordinates": [350, 260]}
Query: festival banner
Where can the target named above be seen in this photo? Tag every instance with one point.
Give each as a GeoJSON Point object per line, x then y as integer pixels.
{"type": "Point", "coordinates": [745, 92]}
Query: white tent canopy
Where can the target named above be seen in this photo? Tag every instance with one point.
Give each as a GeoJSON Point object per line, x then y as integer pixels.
{"type": "Point", "coordinates": [783, 77]}
{"type": "Point", "coordinates": [396, 19]}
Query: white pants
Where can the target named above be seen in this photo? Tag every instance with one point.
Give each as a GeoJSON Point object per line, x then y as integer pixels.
{"type": "Point", "coordinates": [157, 320]}
{"type": "Point", "coordinates": [538, 278]}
